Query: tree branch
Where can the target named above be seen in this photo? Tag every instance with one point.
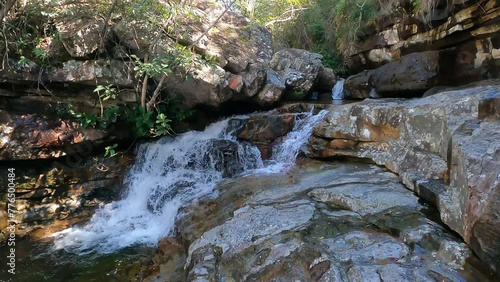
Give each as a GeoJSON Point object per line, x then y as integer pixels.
{"type": "Point", "coordinates": [291, 17]}
{"type": "Point", "coordinates": [213, 24]}
{"type": "Point", "coordinates": [156, 93]}
{"type": "Point", "coordinates": [103, 31]}
{"type": "Point", "coordinates": [144, 90]}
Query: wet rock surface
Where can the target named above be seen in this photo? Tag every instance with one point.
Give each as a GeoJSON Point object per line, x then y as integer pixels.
{"type": "Point", "coordinates": [293, 227]}
{"type": "Point", "coordinates": [263, 129]}
{"type": "Point", "coordinates": [54, 194]}
{"type": "Point", "coordinates": [444, 147]}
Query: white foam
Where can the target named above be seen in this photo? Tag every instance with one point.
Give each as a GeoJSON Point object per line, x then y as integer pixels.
{"type": "Point", "coordinates": [338, 90]}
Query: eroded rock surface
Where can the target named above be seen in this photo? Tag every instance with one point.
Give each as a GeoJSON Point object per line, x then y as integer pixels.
{"type": "Point", "coordinates": [402, 56]}
{"type": "Point", "coordinates": [33, 136]}
{"type": "Point", "coordinates": [301, 70]}
{"type": "Point", "coordinates": [444, 147]}
{"type": "Point", "coordinates": [58, 192]}
{"type": "Point", "coordinates": [277, 228]}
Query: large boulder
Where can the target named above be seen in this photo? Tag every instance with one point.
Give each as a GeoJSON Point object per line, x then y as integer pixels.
{"type": "Point", "coordinates": [415, 73]}
{"type": "Point", "coordinates": [262, 130]}
{"type": "Point", "coordinates": [273, 89]}
{"type": "Point", "coordinates": [209, 87]}
{"type": "Point", "coordinates": [444, 147]}
{"type": "Point", "coordinates": [81, 38]}
{"type": "Point", "coordinates": [299, 69]}
{"type": "Point", "coordinates": [233, 40]}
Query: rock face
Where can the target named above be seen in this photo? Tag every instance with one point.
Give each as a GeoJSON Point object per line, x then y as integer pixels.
{"type": "Point", "coordinates": [32, 136]}
{"type": "Point", "coordinates": [64, 188]}
{"type": "Point", "coordinates": [241, 69]}
{"type": "Point", "coordinates": [312, 224]}
{"type": "Point", "coordinates": [444, 147]}
{"type": "Point", "coordinates": [300, 70]}
{"type": "Point", "coordinates": [456, 48]}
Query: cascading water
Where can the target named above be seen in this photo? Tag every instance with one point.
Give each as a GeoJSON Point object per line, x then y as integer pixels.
{"type": "Point", "coordinates": [170, 173]}
{"type": "Point", "coordinates": [338, 90]}
{"type": "Point", "coordinates": [285, 153]}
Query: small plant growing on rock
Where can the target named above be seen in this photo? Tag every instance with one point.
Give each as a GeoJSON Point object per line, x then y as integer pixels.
{"type": "Point", "coordinates": [106, 92]}
{"type": "Point", "coordinates": [110, 151]}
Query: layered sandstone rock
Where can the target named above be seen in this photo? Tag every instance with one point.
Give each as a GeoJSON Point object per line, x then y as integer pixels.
{"type": "Point", "coordinates": [456, 46]}
{"type": "Point", "coordinates": [32, 136]}
{"type": "Point", "coordinates": [444, 147]}
{"type": "Point", "coordinates": [389, 38]}
{"type": "Point", "coordinates": [60, 189]}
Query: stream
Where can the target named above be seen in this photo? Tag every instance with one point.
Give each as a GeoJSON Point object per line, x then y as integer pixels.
{"type": "Point", "coordinates": [204, 207]}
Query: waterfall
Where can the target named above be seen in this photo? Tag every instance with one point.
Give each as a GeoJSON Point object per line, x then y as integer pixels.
{"type": "Point", "coordinates": [338, 90]}
{"type": "Point", "coordinates": [285, 153]}
{"type": "Point", "coordinates": [170, 173]}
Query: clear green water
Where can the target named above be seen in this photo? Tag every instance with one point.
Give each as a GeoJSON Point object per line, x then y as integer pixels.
{"type": "Point", "coordinates": [36, 262]}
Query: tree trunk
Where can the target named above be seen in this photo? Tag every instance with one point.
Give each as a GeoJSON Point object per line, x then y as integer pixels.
{"type": "Point", "coordinates": [6, 6]}
{"type": "Point", "coordinates": [157, 92]}
{"type": "Point", "coordinates": [144, 91]}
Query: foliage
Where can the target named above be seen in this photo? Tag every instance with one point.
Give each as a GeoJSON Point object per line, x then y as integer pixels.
{"type": "Point", "coordinates": [325, 26]}
{"type": "Point", "coordinates": [149, 123]}
{"type": "Point", "coordinates": [106, 92]}
{"type": "Point", "coordinates": [143, 123]}
{"type": "Point", "coordinates": [32, 23]}
{"type": "Point", "coordinates": [109, 151]}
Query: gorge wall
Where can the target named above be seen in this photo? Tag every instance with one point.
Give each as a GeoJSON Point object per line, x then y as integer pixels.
{"type": "Point", "coordinates": [405, 55]}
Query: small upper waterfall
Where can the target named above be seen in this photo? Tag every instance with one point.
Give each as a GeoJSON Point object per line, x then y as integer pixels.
{"type": "Point", "coordinates": [170, 173]}
{"type": "Point", "coordinates": [285, 153]}
{"type": "Point", "coordinates": [338, 90]}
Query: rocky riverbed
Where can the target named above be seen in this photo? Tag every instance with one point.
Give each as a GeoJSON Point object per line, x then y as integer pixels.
{"type": "Point", "coordinates": [318, 222]}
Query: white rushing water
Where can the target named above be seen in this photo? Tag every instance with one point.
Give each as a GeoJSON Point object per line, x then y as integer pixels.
{"type": "Point", "coordinates": [284, 155]}
{"type": "Point", "coordinates": [167, 175]}
{"type": "Point", "coordinates": [338, 90]}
